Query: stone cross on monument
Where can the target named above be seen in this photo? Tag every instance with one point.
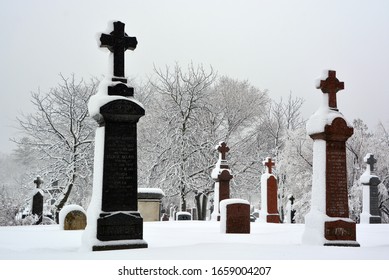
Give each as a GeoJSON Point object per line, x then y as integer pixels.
{"type": "Point", "coordinates": [223, 149]}
{"type": "Point", "coordinates": [38, 182]}
{"type": "Point", "coordinates": [222, 176]}
{"type": "Point", "coordinates": [118, 42]}
{"type": "Point", "coordinates": [331, 85]}
{"type": "Point", "coordinates": [269, 164]}
{"type": "Point", "coordinates": [115, 186]}
{"type": "Point", "coordinates": [269, 195]}
{"type": "Point", "coordinates": [328, 223]}
{"type": "Point", "coordinates": [37, 201]}
{"type": "Point", "coordinates": [371, 161]}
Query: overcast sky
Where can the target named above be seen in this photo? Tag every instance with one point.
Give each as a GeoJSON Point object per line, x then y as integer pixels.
{"type": "Point", "coordinates": [282, 46]}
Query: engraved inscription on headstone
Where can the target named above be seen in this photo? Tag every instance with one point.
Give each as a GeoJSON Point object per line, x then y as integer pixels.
{"type": "Point", "coordinates": [336, 198]}
{"type": "Point", "coordinates": [340, 230]}
{"type": "Point", "coordinates": [120, 226]}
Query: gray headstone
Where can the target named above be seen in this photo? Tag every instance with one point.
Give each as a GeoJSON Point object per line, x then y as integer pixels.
{"type": "Point", "coordinates": [182, 216]}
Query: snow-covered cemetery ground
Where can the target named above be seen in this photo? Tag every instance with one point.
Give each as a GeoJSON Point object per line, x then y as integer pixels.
{"type": "Point", "coordinates": [194, 240]}
{"type": "Point", "coordinates": [199, 243]}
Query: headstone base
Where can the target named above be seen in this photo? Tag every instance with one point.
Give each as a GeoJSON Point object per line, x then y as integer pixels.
{"type": "Point", "coordinates": [135, 244]}
{"type": "Point", "coordinates": [273, 219]}
{"type": "Point", "coordinates": [340, 233]}
{"type": "Point", "coordinates": [123, 230]}
{"type": "Point", "coordinates": [375, 220]}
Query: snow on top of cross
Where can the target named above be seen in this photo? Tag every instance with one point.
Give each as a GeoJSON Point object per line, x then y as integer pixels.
{"type": "Point", "coordinates": [324, 76]}
{"type": "Point", "coordinates": [101, 98]}
{"type": "Point", "coordinates": [368, 155]}
{"type": "Point", "coordinates": [322, 117]}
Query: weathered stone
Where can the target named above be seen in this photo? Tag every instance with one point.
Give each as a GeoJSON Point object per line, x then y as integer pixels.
{"type": "Point", "coordinates": [75, 220]}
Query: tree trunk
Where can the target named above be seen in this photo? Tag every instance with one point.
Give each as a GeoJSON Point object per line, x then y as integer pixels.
{"type": "Point", "coordinates": [63, 201]}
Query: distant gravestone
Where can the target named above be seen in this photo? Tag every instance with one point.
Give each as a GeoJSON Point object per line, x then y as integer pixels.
{"type": "Point", "coordinates": [149, 203]}
{"type": "Point", "coordinates": [72, 217]}
{"type": "Point", "coordinates": [328, 221]}
{"type": "Point", "coordinates": [183, 216]}
{"type": "Point", "coordinates": [37, 201]}
{"type": "Point", "coordinates": [370, 202]}
{"type": "Point", "coordinates": [235, 216]}
{"type": "Point", "coordinates": [117, 113]}
{"type": "Point", "coordinates": [269, 195]}
{"type": "Point", "coordinates": [222, 176]}
{"type": "Point", "coordinates": [165, 217]}
{"type": "Point", "coordinates": [290, 211]}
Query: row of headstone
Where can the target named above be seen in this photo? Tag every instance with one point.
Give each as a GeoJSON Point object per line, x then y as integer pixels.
{"type": "Point", "coordinates": [114, 208]}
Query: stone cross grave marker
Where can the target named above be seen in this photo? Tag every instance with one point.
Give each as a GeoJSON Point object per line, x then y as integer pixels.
{"type": "Point", "coordinates": [118, 42]}
{"type": "Point", "coordinates": [222, 176]}
{"type": "Point", "coordinates": [329, 186]}
{"type": "Point", "coordinates": [371, 161]}
{"type": "Point", "coordinates": [120, 225]}
{"type": "Point", "coordinates": [37, 201]}
{"type": "Point", "coordinates": [269, 195]}
{"type": "Point", "coordinates": [331, 85]}
{"type": "Point", "coordinates": [371, 213]}
{"type": "Point", "coordinates": [269, 164]}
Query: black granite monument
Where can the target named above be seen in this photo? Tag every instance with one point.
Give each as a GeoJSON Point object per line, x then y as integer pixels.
{"type": "Point", "coordinates": [120, 225]}
{"type": "Point", "coordinates": [37, 201]}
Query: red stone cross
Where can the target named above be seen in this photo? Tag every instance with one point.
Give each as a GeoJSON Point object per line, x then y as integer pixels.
{"type": "Point", "coordinates": [331, 85]}
{"type": "Point", "coordinates": [269, 163]}
{"type": "Point", "coordinates": [223, 149]}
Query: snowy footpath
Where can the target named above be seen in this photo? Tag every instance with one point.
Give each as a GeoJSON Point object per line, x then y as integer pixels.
{"type": "Point", "coordinates": [193, 240]}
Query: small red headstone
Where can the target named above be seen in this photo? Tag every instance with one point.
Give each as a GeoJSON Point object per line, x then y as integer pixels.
{"type": "Point", "coordinates": [236, 216]}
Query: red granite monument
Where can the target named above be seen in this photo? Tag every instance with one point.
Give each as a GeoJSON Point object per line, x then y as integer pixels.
{"type": "Point", "coordinates": [222, 176]}
{"type": "Point", "coordinates": [328, 221]}
{"type": "Point", "coordinates": [269, 205]}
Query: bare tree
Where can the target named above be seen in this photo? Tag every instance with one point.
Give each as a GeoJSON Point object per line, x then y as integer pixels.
{"type": "Point", "coordinates": [60, 134]}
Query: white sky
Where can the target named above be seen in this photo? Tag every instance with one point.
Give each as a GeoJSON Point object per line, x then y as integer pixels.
{"type": "Point", "coordinates": [282, 46]}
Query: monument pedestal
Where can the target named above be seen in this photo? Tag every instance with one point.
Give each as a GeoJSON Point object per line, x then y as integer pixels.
{"type": "Point", "coordinates": [114, 221]}
{"type": "Point", "coordinates": [328, 221]}
{"type": "Point", "coordinates": [370, 201]}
